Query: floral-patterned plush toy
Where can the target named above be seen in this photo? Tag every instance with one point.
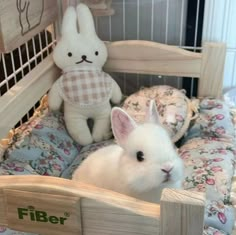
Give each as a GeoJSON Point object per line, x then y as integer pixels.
{"type": "Point", "coordinates": [85, 89]}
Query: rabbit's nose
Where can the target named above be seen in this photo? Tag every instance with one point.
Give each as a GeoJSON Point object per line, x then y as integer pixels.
{"type": "Point", "coordinates": [167, 168]}
{"type": "Point", "coordinates": [167, 171]}
{"type": "Point", "coordinates": [84, 57]}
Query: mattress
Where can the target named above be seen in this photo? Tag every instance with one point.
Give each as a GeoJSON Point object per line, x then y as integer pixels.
{"type": "Point", "coordinates": [42, 146]}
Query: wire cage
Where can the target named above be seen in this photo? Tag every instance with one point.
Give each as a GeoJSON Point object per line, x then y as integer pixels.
{"type": "Point", "coordinates": [19, 62]}
{"type": "Point", "coordinates": [174, 22]}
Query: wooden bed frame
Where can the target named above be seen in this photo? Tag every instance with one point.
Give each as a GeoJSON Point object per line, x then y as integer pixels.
{"type": "Point", "coordinates": [50, 205]}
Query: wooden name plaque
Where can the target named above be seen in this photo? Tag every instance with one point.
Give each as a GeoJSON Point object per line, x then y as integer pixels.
{"type": "Point", "coordinates": [20, 20]}
{"type": "Point", "coordinates": [41, 213]}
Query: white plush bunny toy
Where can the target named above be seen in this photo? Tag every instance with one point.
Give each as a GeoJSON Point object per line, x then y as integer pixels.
{"type": "Point", "coordinates": [85, 89]}
{"type": "Point", "coordinates": [141, 165]}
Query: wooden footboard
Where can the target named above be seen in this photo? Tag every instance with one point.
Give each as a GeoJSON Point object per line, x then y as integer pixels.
{"type": "Point", "coordinates": [50, 205]}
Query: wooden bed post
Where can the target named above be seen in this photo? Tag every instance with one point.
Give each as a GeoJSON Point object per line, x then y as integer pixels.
{"type": "Point", "coordinates": [182, 212]}
{"type": "Point", "coordinates": [212, 70]}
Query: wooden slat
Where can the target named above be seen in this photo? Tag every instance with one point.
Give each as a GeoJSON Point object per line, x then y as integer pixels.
{"type": "Point", "coordinates": [21, 20]}
{"type": "Point", "coordinates": [147, 50]}
{"type": "Point", "coordinates": [182, 68]}
{"type": "Point", "coordinates": [43, 213]}
{"type": "Point", "coordinates": [3, 209]}
{"type": "Point", "coordinates": [182, 212]}
{"type": "Point", "coordinates": [100, 8]}
{"type": "Point", "coordinates": [147, 57]}
{"type": "Point", "coordinates": [101, 4]}
{"type": "Point", "coordinates": [100, 218]}
{"type": "Point", "coordinates": [23, 96]}
{"type": "Point", "coordinates": [212, 70]}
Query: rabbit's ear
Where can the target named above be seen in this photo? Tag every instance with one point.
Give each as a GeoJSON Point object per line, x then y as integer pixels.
{"type": "Point", "coordinates": [85, 20]}
{"type": "Point", "coordinates": [152, 114]}
{"type": "Point", "coordinates": [69, 23]}
{"type": "Point", "coordinates": [122, 125]}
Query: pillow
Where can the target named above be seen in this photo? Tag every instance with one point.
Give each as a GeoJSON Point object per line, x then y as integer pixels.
{"type": "Point", "coordinates": [174, 108]}
{"type": "Point", "coordinates": [44, 143]}
{"type": "Point", "coordinates": [209, 167]}
{"type": "Point", "coordinates": [214, 121]}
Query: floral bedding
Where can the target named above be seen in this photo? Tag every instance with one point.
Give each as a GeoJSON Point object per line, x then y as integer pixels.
{"type": "Point", "coordinates": [42, 146]}
{"type": "Point", "coordinates": [174, 108]}
{"type": "Point", "coordinates": [209, 152]}
{"type": "Point", "coordinates": [209, 167]}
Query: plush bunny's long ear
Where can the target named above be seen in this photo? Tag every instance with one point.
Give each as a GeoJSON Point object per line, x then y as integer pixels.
{"type": "Point", "coordinates": [152, 113]}
{"type": "Point", "coordinates": [122, 125]}
{"type": "Point", "coordinates": [85, 20]}
{"type": "Point", "coordinates": [69, 23]}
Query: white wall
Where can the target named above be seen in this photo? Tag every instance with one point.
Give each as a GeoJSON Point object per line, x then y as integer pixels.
{"type": "Point", "coordinates": [220, 25]}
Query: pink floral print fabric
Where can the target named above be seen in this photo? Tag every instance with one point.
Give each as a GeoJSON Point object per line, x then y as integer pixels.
{"type": "Point", "coordinates": [9, 167]}
{"type": "Point", "coordinates": [172, 104]}
{"type": "Point", "coordinates": [44, 144]}
{"type": "Point", "coordinates": [209, 152]}
{"type": "Point", "coordinates": [209, 168]}
{"type": "Point", "coordinates": [213, 231]}
{"type": "Point", "coordinates": [214, 121]}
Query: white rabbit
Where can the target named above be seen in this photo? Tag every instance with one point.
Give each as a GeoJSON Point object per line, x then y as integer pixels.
{"type": "Point", "coordinates": [85, 89]}
{"type": "Point", "coordinates": [144, 162]}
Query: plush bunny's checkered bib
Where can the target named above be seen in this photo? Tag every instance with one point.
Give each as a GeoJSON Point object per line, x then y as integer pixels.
{"type": "Point", "coordinates": [86, 87]}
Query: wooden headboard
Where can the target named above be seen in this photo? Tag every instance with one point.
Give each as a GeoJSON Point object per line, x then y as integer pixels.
{"type": "Point", "coordinates": [142, 57]}
{"type": "Point", "coordinates": [147, 57]}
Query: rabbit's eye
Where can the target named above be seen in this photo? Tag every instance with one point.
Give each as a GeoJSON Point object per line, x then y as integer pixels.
{"type": "Point", "coordinates": [69, 54]}
{"type": "Point", "coordinates": [139, 156]}
{"type": "Point", "coordinates": [96, 52]}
